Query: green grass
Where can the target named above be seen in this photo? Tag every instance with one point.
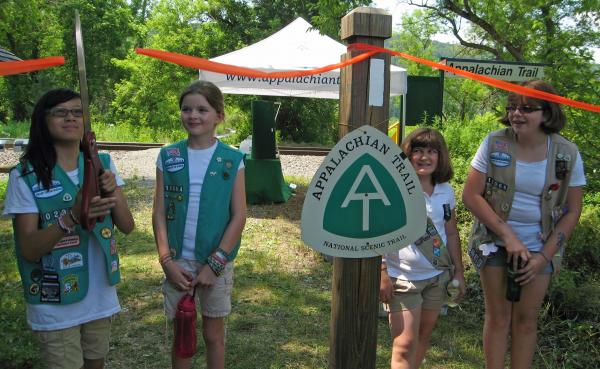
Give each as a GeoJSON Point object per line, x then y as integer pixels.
{"type": "Point", "coordinates": [281, 304]}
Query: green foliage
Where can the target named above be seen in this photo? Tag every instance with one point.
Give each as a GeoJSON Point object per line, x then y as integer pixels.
{"type": "Point", "coordinates": [308, 120]}
{"type": "Point", "coordinates": [463, 138]}
{"type": "Point", "coordinates": [583, 249]}
{"type": "Point", "coordinates": [15, 130]}
{"type": "Point", "coordinates": [3, 185]}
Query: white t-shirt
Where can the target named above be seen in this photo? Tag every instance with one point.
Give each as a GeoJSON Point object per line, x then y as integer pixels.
{"type": "Point", "coordinates": [200, 159]}
{"type": "Point", "coordinates": [101, 300]}
{"type": "Point", "coordinates": [526, 212]}
{"type": "Point", "coordinates": [409, 263]}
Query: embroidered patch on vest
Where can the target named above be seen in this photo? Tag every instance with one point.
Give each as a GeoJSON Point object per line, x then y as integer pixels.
{"type": "Point", "coordinates": [501, 145]}
{"type": "Point", "coordinates": [173, 152]}
{"type": "Point", "coordinates": [561, 165]}
{"type": "Point", "coordinates": [48, 262]}
{"type": "Point", "coordinates": [174, 164]}
{"type": "Point", "coordinates": [50, 291]}
{"type": "Point", "coordinates": [106, 233]}
{"type": "Point", "coordinates": [113, 247]}
{"type": "Point", "coordinates": [71, 284]}
{"type": "Point", "coordinates": [41, 193]}
{"type": "Point", "coordinates": [36, 275]}
{"type": "Point", "coordinates": [71, 260]}
{"type": "Point", "coordinates": [495, 184]}
{"type": "Point", "coordinates": [500, 159]}
{"type": "Point", "coordinates": [68, 241]}
{"type": "Point", "coordinates": [173, 188]}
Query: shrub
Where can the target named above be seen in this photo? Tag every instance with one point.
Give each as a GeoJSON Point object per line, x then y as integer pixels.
{"type": "Point", "coordinates": [583, 250]}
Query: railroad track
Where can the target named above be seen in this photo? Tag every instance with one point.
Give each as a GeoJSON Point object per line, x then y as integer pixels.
{"type": "Point", "coordinates": [135, 146]}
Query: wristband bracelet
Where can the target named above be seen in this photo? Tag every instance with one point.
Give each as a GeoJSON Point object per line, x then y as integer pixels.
{"type": "Point", "coordinates": [544, 256]}
{"type": "Point", "coordinates": [165, 259]}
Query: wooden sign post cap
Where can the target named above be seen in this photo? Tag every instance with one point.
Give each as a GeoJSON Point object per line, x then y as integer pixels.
{"type": "Point", "coordinates": [364, 21]}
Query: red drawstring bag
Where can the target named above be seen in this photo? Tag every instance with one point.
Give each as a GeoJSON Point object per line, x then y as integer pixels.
{"type": "Point", "coordinates": [184, 343]}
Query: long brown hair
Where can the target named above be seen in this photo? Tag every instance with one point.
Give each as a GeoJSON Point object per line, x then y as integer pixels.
{"type": "Point", "coordinates": [40, 151]}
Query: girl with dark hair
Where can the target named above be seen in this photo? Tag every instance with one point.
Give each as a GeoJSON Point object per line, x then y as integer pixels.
{"type": "Point", "coordinates": [525, 189]}
{"type": "Point", "coordinates": [68, 274]}
{"type": "Point", "coordinates": [198, 217]}
{"type": "Point", "coordinates": [414, 280]}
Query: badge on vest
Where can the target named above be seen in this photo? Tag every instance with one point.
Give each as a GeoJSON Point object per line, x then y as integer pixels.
{"type": "Point", "coordinates": [113, 247]}
{"type": "Point", "coordinates": [71, 284]}
{"type": "Point", "coordinates": [501, 145]}
{"type": "Point", "coordinates": [50, 290]}
{"type": "Point", "coordinates": [171, 211]}
{"type": "Point", "coordinates": [561, 165]}
{"type": "Point", "coordinates": [41, 193]}
{"type": "Point", "coordinates": [500, 159]}
{"type": "Point", "coordinates": [114, 266]}
{"type": "Point", "coordinates": [71, 260]}
{"type": "Point", "coordinates": [68, 241]}
{"type": "Point", "coordinates": [106, 233]}
{"type": "Point", "coordinates": [48, 262]}
{"type": "Point", "coordinates": [173, 152]}
{"type": "Point", "coordinates": [491, 183]}
{"type": "Point", "coordinates": [174, 164]}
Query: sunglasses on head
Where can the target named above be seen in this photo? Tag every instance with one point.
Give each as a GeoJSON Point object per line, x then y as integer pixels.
{"type": "Point", "coordinates": [525, 109]}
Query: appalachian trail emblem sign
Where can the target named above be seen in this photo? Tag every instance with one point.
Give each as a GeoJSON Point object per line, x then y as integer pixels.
{"type": "Point", "coordinates": [365, 199]}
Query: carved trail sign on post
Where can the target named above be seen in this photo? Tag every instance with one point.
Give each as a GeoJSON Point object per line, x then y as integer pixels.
{"type": "Point", "coordinates": [365, 199]}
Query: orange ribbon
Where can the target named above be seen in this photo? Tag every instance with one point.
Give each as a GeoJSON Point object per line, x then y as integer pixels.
{"type": "Point", "coordinates": [204, 64]}
{"type": "Point", "coordinates": [211, 66]}
{"type": "Point", "coordinates": [23, 66]}
{"type": "Point", "coordinates": [518, 89]}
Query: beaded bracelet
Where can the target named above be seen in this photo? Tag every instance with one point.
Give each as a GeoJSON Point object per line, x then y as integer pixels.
{"type": "Point", "coordinates": [215, 265]}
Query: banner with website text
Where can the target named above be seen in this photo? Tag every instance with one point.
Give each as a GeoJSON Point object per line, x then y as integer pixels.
{"type": "Point", "coordinates": [204, 64]}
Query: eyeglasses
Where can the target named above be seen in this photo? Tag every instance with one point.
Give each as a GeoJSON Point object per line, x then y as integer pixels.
{"type": "Point", "coordinates": [63, 112]}
{"type": "Point", "coordinates": [524, 109]}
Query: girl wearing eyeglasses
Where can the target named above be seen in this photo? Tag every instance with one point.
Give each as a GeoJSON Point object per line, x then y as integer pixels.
{"type": "Point", "coordinates": [525, 189]}
{"type": "Point", "coordinates": [68, 274]}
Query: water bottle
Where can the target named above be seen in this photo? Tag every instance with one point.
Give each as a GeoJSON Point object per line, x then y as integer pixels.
{"type": "Point", "coordinates": [453, 289]}
{"type": "Point", "coordinates": [513, 288]}
{"type": "Point", "coordinates": [184, 343]}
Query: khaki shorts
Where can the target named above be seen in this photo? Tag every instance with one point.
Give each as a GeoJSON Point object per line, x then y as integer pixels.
{"type": "Point", "coordinates": [428, 294]}
{"type": "Point", "coordinates": [214, 302]}
{"type": "Point", "coordinates": [66, 348]}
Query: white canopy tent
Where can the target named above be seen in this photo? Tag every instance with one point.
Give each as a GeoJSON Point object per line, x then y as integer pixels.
{"type": "Point", "coordinates": [295, 47]}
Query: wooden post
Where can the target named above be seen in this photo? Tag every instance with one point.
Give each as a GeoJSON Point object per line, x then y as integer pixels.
{"type": "Point", "coordinates": [355, 282]}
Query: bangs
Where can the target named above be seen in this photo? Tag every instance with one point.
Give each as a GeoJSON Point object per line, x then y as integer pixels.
{"type": "Point", "coordinates": [428, 140]}
{"type": "Point", "coordinates": [514, 99]}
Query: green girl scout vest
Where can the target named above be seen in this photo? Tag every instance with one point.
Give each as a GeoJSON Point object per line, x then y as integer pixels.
{"type": "Point", "coordinates": [61, 276]}
{"type": "Point", "coordinates": [500, 189]}
{"type": "Point", "coordinates": [215, 198]}
{"type": "Point", "coordinates": [433, 248]}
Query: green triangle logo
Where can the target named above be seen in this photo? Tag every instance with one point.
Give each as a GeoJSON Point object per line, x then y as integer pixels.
{"type": "Point", "coordinates": [359, 207]}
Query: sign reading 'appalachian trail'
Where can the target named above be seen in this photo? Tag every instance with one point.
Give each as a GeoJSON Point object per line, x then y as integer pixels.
{"type": "Point", "coordinates": [365, 199]}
